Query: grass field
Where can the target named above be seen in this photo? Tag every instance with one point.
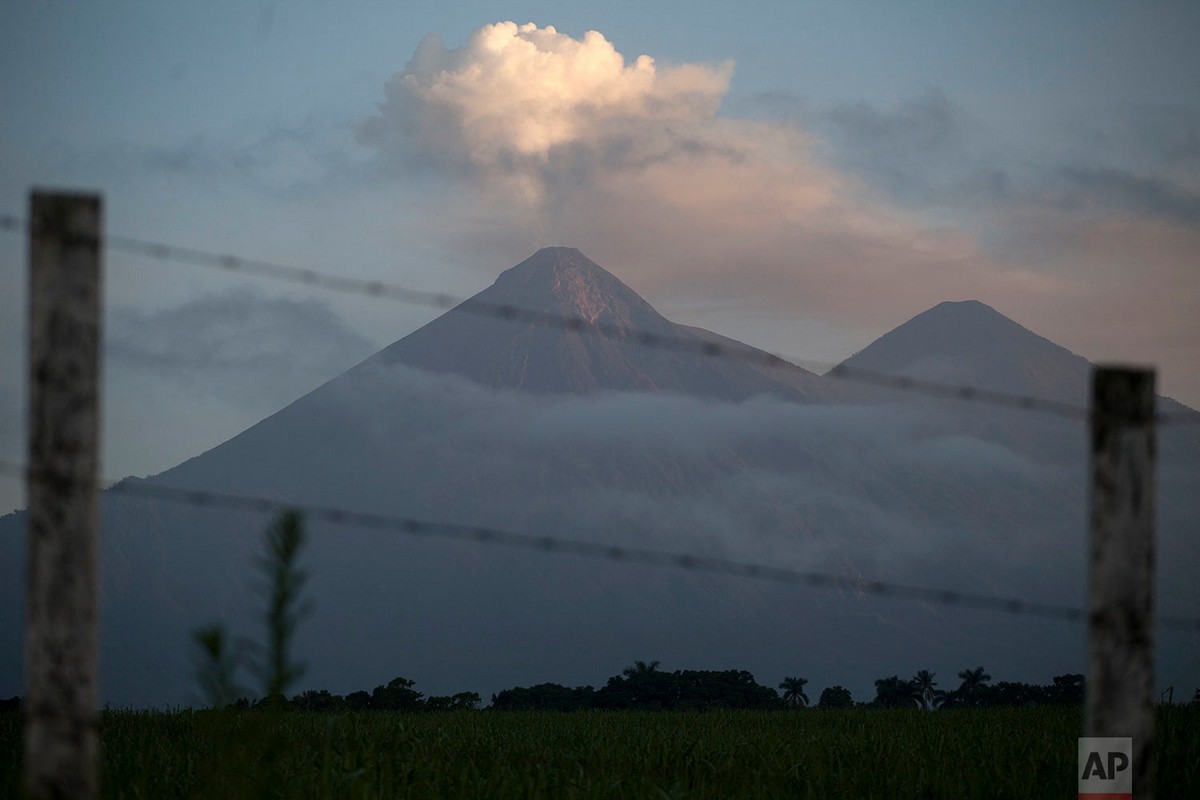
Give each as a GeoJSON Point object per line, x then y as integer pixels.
{"type": "Point", "coordinates": [991, 753]}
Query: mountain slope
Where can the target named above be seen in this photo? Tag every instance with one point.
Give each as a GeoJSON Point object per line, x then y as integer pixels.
{"type": "Point", "coordinates": [340, 422]}
{"type": "Point", "coordinates": [969, 343]}
{"type": "Point", "coordinates": [538, 357]}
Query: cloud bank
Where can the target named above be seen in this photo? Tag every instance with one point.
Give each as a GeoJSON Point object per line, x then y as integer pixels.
{"type": "Point", "coordinates": [525, 104]}
{"type": "Point", "coordinates": [239, 343]}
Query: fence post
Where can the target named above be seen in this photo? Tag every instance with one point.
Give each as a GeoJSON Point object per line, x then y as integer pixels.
{"type": "Point", "coordinates": [1120, 685]}
{"type": "Point", "coordinates": [62, 584]}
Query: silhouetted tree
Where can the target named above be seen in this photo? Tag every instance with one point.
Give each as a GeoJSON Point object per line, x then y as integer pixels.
{"type": "Point", "coordinates": [640, 668]}
{"type": "Point", "coordinates": [465, 700]}
{"type": "Point", "coordinates": [358, 701]}
{"type": "Point", "coordinates": [457, 702]}
{"type": "Point", "coordinates": [283, 541]}
{"type": "Point", "coordinates": [318, 700]}
{"type": "Point", "coordinates": [398, 695]}
{"type": "Point", "coordinates": [641, 685]}
{"type": "Point", "coordinates": [1008, 693]}
{"type": "Point", "coordinates": [685, 689]}
{"type": "Point", "coordinates": [275, 669]}
{"type": "Point", "coordinates": [928, 695]}
{"type": "Point", "coordinates": [894, 692]}
{"type": "Point", "coordinates": [972, 679]}
{"type": "Point", "coordinates": [1068, 689]}
{"type": "Point", "coordinates": [543, 697]}
{"type": "Point", "coordinates": [793, 692]}
{"type": "Point", "coordinates": [730, 688]}
{"type": "Point", "coordinates": [972, 691]}
{"type": "Point", "coordinates": [835, 697]}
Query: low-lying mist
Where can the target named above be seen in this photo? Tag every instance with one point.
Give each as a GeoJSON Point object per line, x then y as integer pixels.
{"type": "Point", "coordinates": [956, 496]}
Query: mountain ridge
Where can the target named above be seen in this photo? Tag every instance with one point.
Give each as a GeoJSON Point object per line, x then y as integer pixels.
{"type": "Point", "coordinates": [541, 358]}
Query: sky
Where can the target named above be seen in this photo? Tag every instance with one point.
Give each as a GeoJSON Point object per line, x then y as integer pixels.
{"type": "Point", "coordinates": [800, 176]}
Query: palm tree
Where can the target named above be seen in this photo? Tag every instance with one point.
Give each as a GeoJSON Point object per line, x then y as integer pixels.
{"type": "Point", "coordinates": [640, 668]}
{"type": "Point", "coordinates": [972, 679]}
{"type": "Point", "coordinates": [793, 692]}
{"type": "Point", "coordinates": [969, 692]}
{"type": "Point", "coordinates": [926, 689]}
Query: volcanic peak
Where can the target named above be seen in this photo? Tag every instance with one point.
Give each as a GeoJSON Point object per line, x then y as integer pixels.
{"type": "Point", "coordinates": [564, 280]}
{"type": "Point", "coordinates": [969, 328]}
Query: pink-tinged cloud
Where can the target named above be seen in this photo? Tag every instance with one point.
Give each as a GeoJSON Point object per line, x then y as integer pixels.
{"type": "Point", "coordinates": [571, 143]}
{"type": "Point", "coordinates": [518, 103]}
{"type": "Point", "coordinates": [549, 139]}
{"type": "Point", "coordinates": [1135, 290]}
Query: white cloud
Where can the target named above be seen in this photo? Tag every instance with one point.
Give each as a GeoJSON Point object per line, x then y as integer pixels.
{"type": "Point", "coordinates": [515, 99]}
{"type": "Point", "coordinates": [630, 161]}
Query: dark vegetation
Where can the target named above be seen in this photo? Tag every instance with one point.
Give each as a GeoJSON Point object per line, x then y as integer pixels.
{"type": "Point", "coordinates": [975, 691]}
{"type": "Point", "coordinates": [643, 687]}
{"type": "Point", "coordinates": [647, 732]}
{"type": "Point", "coordinates": [271, 662]}
{"type": "Point", "coordinates": [859, 752]}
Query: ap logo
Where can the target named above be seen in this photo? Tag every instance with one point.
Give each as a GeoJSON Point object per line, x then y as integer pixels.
{"type": "Point", "coordinates": [1105, 769]}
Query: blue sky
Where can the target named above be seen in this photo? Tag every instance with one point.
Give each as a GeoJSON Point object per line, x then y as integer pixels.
{"type": "Point", "coordinates": [1041, 157]}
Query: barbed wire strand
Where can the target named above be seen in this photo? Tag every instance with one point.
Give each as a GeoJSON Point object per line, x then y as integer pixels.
{"type": "Point", "coordinates": [623, 554]}
{"type": "Point", "coordinates": [694, 345]}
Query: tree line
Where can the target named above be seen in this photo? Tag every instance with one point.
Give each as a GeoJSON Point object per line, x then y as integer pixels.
{"type": "Point", "coordinates": [643, 686]}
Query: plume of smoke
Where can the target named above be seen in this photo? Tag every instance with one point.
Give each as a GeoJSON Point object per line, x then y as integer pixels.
{"type": "Point", "coordinates": [570, 142]}
{"type": "Point", "coordinates": [520, 104]}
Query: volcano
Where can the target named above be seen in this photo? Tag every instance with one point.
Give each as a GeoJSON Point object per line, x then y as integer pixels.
{"type": "Point", "coordinates": [528, 425]}
{"type": "Point", "coordinates": [563, 283]}
{"type": "Point", "coordinates": [968, 343]}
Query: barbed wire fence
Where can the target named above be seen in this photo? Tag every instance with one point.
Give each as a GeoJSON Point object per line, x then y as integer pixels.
{"type": "Point", "coordinates": [693, 345]}
{"type": "Point", "coordinates": [620, 553]}
{"type": "Point", "coordinates": [65, 242]}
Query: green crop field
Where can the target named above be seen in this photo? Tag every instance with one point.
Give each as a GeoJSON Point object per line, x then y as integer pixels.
{"type": "Point", "coordinates": [985, 753]}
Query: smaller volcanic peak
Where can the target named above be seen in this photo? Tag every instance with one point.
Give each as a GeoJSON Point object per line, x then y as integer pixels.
{"type": "Point", "coordinates": [968, 342]}
{"type": "Point", "coordinates": [965, 328]}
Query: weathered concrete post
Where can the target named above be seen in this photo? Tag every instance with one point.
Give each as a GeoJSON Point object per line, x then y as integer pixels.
{"type": "Point", "coordinates": [62, 585]}
{"type": "Point", "coordinates": [1120, 686]}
